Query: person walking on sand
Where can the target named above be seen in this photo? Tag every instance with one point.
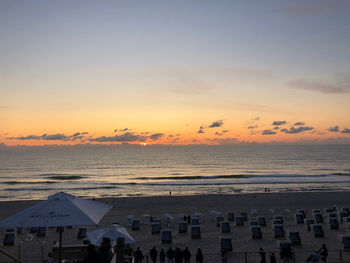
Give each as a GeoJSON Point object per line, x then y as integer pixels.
{"type": "Point", "coordinates": [138, 255]}
{"type": "Point", "coordinates": [153, 254]}
{"type": "Point", "coordinates": [272, 257]}
{"type": "Point", "coordinates": [187, 255]}
{"type": "Point", "coordinates": [170, 255]}
{"type": "Point", "coordinates": [262, 255]}
{"type": "Point", "coordinates": [178, 255]}
{"type": "Point", "coordinates": [199, 256]}
{"type": "Point", "coordinates": [323, 252]}
{"type": "Point", "coordinates": [162, 256]}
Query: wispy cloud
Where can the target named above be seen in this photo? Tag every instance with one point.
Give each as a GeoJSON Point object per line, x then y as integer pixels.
{"type": "Point", "coordinates": [268, 132]}
{"type": "Point", "coordinates": [299, 123]}
{"type": "Point", "coordinates": [294, 130]}
{"type": "Point", "coordinates": [319, 86]}
{"type": "Point", "coordinates": [346, 130]}
{"type": "Point", "coordinates": [279, 123]}
{"type": "Point", "coordinates": [216, 124]}
{"type": "Point", "coordinates": [156, 136]}
{"type": "Point", "coordinates": [333, 129]}
{"type": "Point", "coordinates": [125, 137]}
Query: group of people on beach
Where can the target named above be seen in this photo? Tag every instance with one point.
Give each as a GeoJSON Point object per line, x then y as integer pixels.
{"type": "Point", "coordinates": [172, 255]}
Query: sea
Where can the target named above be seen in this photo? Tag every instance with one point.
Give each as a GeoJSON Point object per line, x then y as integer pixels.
{"type": "Point", "coordinates": [123, 171]}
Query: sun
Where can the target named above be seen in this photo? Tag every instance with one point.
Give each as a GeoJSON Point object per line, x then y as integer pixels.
{"type": "Point", "coordinates": [143, 144]}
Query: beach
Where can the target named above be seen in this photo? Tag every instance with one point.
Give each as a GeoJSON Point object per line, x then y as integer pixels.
{"type": "Point", "coordinates": [209, 243]}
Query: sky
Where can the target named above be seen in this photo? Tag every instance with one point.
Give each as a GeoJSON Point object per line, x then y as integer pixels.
{"type": "Point", "coordinates": [174, 72]}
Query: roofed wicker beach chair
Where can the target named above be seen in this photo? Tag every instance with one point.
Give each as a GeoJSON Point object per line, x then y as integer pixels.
{"type": "Point", "coordinates": [231, 216]}
{"type": "Point", "coordinates": [308, 222]}
{"type": "Point", "coordinates": [9, 239]}
{"type": "Point", "coordinates": [256, 232]}
{"type": "Point", "coordinates": [129, 219]}
{"type": "Point", "coordinates": [155, 228]}
{"type": "Point", "coordinates": [328, 210]}
{"type": "Point", "coordinates": [196, 232]}
{"type": "Point", "coordinates": [82, 233]}
{"type": "Point", "coordinates": [195, 222]}
{"type": "Point", "coordinates": [167, 237]}
{"type": "Point", "coordinates": [199, 217]}
{"type": "Point", "coordinates": [345, 241]}
{"type": "Point", "coordinates": [294, 237]}
{"type": "Point", "coordinates": [333, 223]}
{"type": "Point", "coordinates": [277, 222]}
{"type": "Point", "coordinates": [225, 227]}
{"type": "Point", "coordinates": [225, 244]}
{"type": "Point", "coordinates": [316, 211]}
{"type": "Point", "coordinates": [135, 224]}
{"type": "Point", "coordinates": [342, 216]}
{"type": "Point", "coordinates": [244, 215]}
{"type": "Point", "coordinates": [302, 211]}
{"type": "Point", "coordinates": [253, 222]}
{"type": "Point", "coordinates": [332, 215]}
{"type": "Point", "coordinates": [41, 232]}
{"type": "Point", "coordinates": [318, 218]}
{"type": "Point", "coordinates": [239, 221]}
{"type": "Point", "coordinates": [219, 219]}
{"type": "Point", "coordinates": [318, 230]}
{"type": "Point", "coordinates": [279, 231]}
{"type": "Point", "coordinates": [346, 210]}
{"type": "Point", "coordinates": [299, 218]}
{"type": "Point", "coordinates": [182, 227]}
{"type": "Point", "coordinates": [146, 219]}
{"type": "Point", "coordinates": [262, 221]}
{"type": "Point", "coordinates": [279, 217]}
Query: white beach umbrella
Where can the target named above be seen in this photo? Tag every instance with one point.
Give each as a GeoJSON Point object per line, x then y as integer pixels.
{"type": "Point", "coordinates": [113, 233]}
{"type": "Point", "coordinates": [59, 210]}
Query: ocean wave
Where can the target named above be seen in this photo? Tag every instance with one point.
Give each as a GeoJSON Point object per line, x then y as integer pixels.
{"type": "Point", "coordinates": [28, 182]}
{"type": "Point", "coordinates": [235, 176]}
{"type": "Point", "coordinates": [64, 177]}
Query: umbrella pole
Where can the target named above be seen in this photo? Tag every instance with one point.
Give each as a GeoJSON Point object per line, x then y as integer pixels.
{"type": "Point", "coordinates": [60, 246]}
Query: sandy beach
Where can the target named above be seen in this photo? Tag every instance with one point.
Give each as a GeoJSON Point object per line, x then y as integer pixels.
{"type": "Point", "coordinates": [188, 205]}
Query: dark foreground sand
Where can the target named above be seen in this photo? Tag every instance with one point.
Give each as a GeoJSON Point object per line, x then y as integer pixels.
{"type": "Point", "coordinates": [174, 205]}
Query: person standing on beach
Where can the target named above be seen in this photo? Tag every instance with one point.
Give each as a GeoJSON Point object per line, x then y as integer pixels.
{"type": "Point", "coordinates": [170, 255]}
{"type": "Point", "coordinates": [262, 255]}
{"type": "Point", "coordinates": [187, 255]}
{"type": "Point", "coordinates": [138, 255]}
{"type": "Point", "coordinates": [199, 256]}
{"type": "Point", "coordinates": [178, 255]}
{"type": "Point", "coordinates": [272, 257]}
{"type": "Point", "coordinates": [162, 256]}
{"type": "Point", "coordinates": [153, 254]}
{"type": "Point", "coordinates": [323, 252]}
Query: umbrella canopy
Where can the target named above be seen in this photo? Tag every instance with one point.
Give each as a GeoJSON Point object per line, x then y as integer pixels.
{"type": "Point", "coordinates": [113, 233]}
{"type": "Point", "coordinates": [60, 209]}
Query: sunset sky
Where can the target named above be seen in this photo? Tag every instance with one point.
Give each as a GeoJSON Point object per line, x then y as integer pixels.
{"type": "Point", "coordinates": [174, 72]}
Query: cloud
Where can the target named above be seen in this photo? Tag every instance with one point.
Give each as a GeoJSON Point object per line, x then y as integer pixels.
{"type": "Point", "coordinates": [201, 130]}
{"type": "Point", "coordinates": [156, 136]}
{"type": "Point", "coordinates": [125, 137]}
{"type": "Point", "coordinates": [299, 123]}
{"type": "Point", "coordinates": [293, 130]}
{"type": "Point", "coordinates": [321, 87]}
{"type": "Point", "coordinates": [278, 123]}
{"type": "Point", "coordinates": [268, 132]}
{"type": "Point", "coordinates": [225, 141]}
{"type": "Point", "coordinates": [313, 7]}
{"type": "Point", "coordinates": [333, 129]}
{"type": "Point", "coordinates": [55, 137]}
{"type": "Point", "coordinates": [276, 128]}
{"type": "Point", "coordinates": [216, 124]}
{"type": "Point", "coordinates": [346, 130]}
{"type": "Point", "coordinates": [224, 131]}
{"type": "Point", "coordinates": [219, 134]}
{"type": "Point", "coordinates": [122, 130]}
{"type": "Point", "coordinates": [255, 119]}
{"type": "Point", "coordinates": [252, 127]}
{"type": "Point", "coordinates": [24, 138]}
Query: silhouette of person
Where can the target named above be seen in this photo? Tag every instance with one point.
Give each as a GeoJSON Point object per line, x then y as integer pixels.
{"type": "Point", "coordinates": [162, 256]}
{"type": "Point", "coordinates": [153, 253]}
{"type": "Point", "coordinates": [323, 252]}
{"type": "Point", "coordinates": [170, 255]}
{"type": "Point", "coordinates": [91, 256]}
{"type": "Point", "coordinates": [138, 255]}
{"type": "Point", "coordinates": [199, 256]}
{"type": "Point", "coordinates": [262, 255]}
{"type": "Point", "coordinates": [186, 255]}
{"type": "Point", "coordinates": [272, 257]}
